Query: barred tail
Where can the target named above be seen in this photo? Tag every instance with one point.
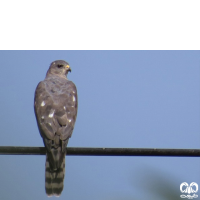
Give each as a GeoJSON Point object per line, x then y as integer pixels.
{"type": "Point", "coordinates": [54, 179]}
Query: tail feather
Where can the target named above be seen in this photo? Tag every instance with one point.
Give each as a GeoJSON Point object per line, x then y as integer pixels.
{"type": "Point", "coordinates": [54, 179]}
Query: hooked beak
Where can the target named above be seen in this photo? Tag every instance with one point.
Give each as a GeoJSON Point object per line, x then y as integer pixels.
{"type": "Point", "coordinates": [68, 68]}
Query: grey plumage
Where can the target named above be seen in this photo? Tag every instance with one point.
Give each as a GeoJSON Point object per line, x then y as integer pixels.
{"type": "Point", "coordinates": [55, 108]}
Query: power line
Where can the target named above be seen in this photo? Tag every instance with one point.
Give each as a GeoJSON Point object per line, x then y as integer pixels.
{"type": "Point", "coordinates": [82, 151]}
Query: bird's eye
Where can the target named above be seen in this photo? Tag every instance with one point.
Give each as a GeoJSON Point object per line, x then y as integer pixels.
{"type": "Point", "coordinates": [59, 66]}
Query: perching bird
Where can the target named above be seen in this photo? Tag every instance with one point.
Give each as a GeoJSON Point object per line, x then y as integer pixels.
{"type": "Point", "coordinates": [55, 106]}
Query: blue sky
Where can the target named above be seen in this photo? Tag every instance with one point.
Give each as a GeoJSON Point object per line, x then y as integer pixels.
{"type": "Point", "coordinates": [147, 99]}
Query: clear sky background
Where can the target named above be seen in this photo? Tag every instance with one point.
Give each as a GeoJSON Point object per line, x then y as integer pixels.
{"type": "Point", "coordinates": [137, 99]}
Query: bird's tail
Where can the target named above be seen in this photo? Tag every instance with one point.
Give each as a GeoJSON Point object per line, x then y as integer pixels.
{"type": "Point", "coordinates": [54, 179]}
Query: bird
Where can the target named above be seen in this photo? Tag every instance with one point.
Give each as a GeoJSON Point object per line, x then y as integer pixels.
{"type": "Point", "coordinates": [55, 106]}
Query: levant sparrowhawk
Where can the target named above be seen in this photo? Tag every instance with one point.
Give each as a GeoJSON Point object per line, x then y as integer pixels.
{"type": "Point", "coordinates": [55, 106]}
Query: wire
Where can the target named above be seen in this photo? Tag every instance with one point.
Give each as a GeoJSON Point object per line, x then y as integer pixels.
{"type": "Point", "coordinates": [81, 151]}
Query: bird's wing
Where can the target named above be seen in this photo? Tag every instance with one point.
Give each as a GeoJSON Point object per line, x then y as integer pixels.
{"type": "Point", "coordinates": [67, 110]}
{"type": "Point", "coordinates": [44, 106]}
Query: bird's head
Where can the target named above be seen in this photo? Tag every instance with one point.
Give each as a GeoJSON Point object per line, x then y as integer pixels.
{"type": "Point", "coordinates": [59, 67]}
